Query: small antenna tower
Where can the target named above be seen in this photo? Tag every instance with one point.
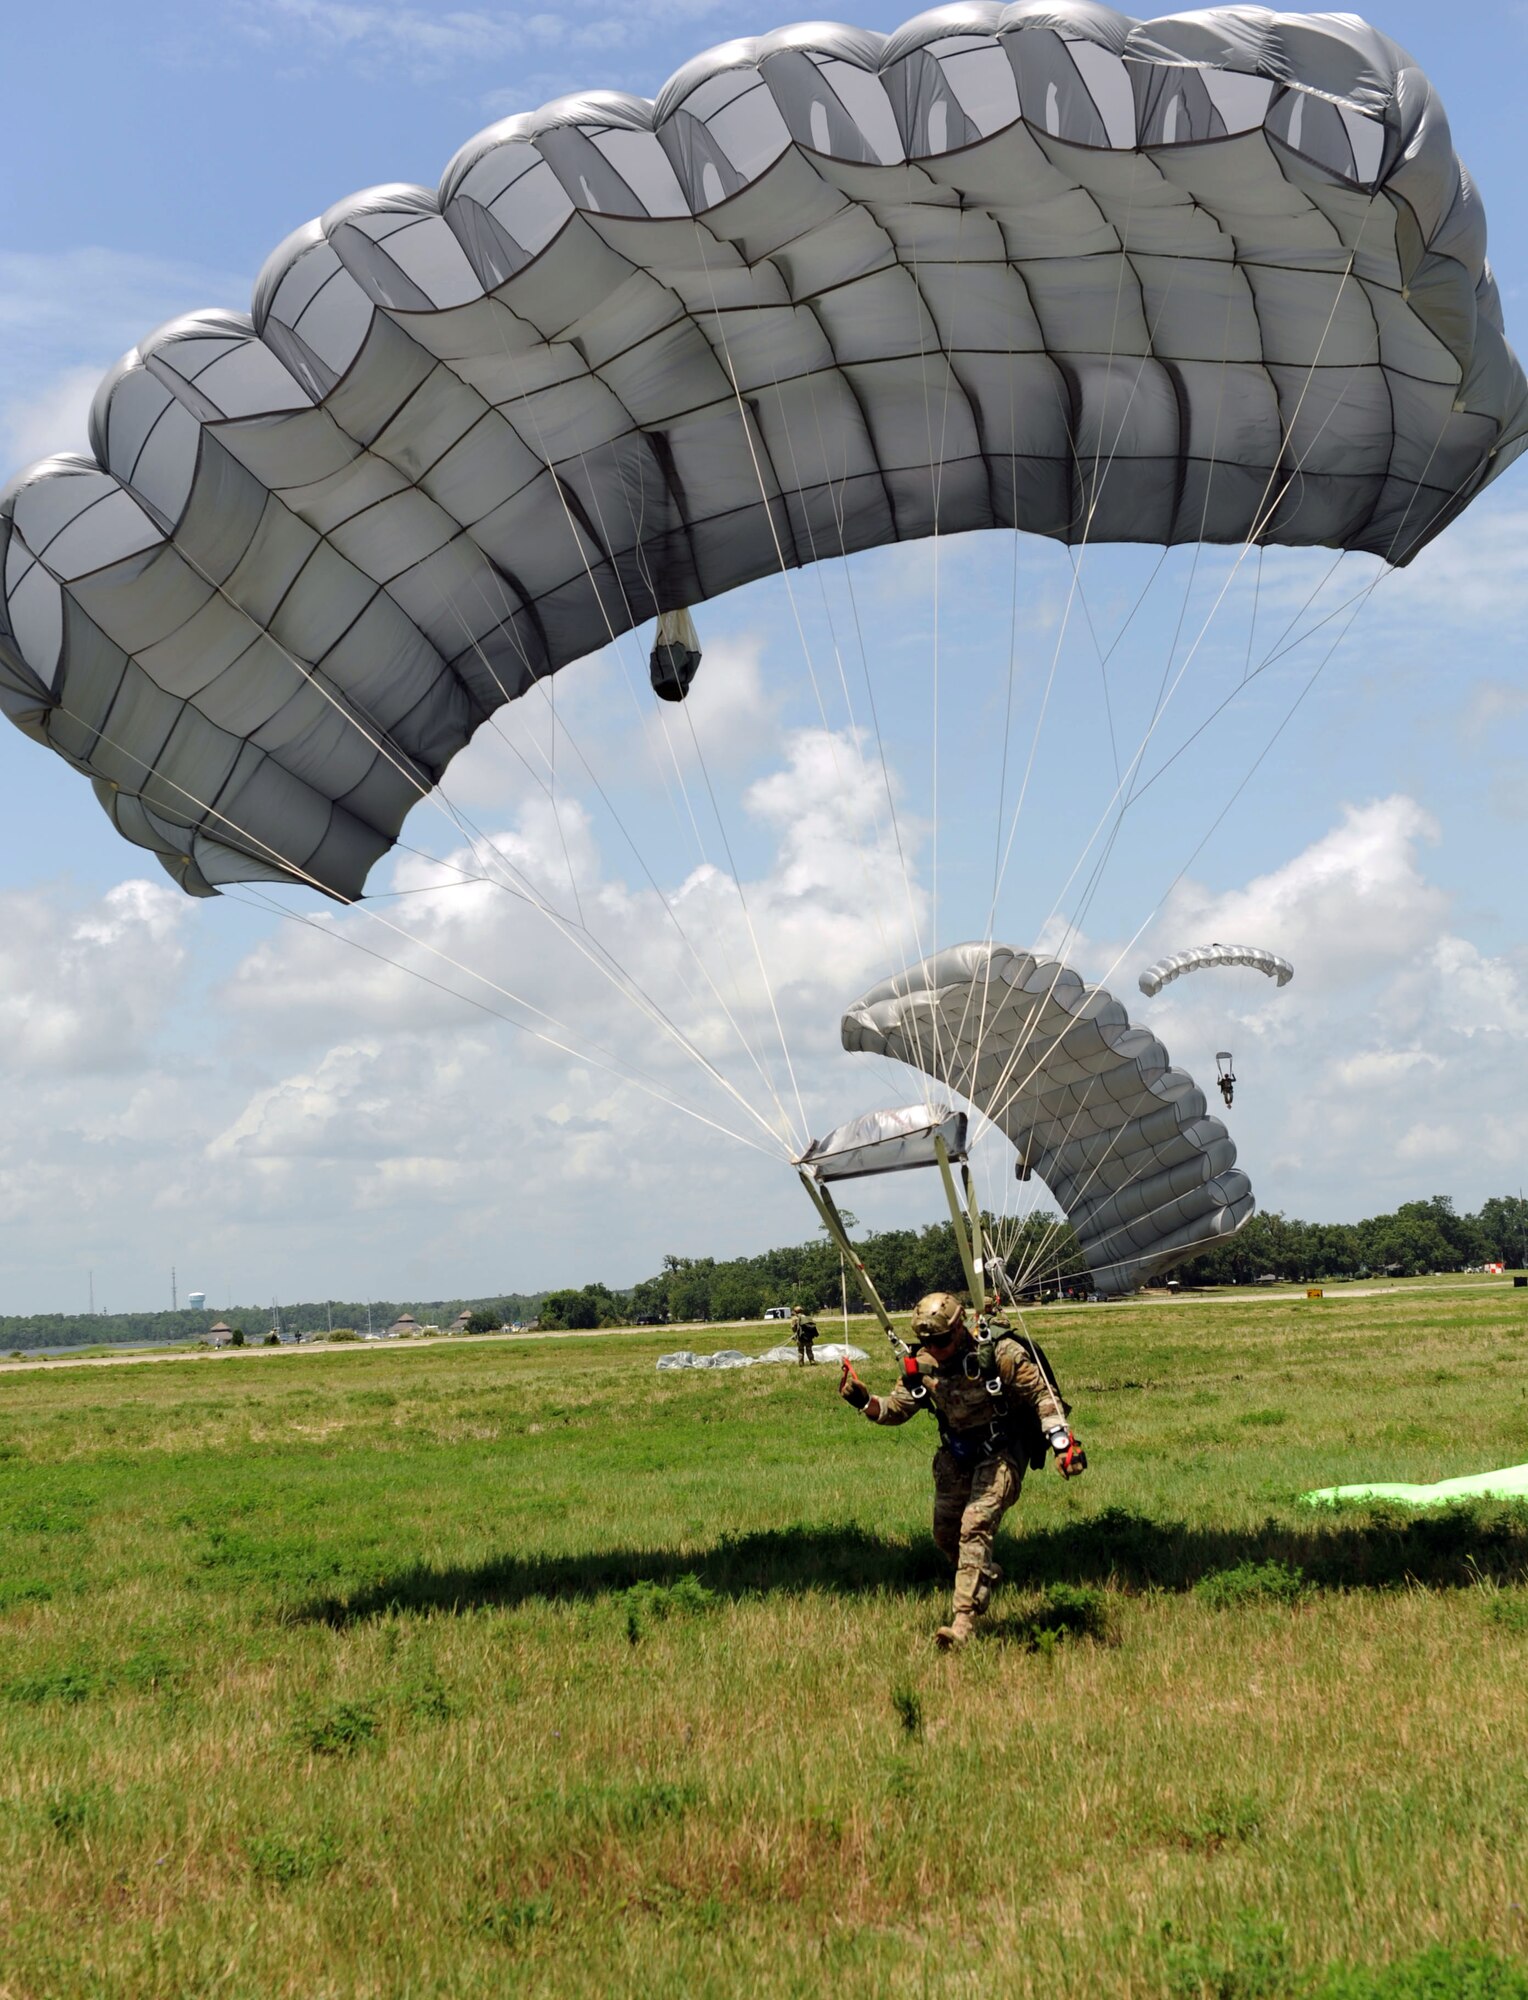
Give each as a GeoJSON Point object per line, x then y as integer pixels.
{"type": "Point", "coordinates": [174, 1293]}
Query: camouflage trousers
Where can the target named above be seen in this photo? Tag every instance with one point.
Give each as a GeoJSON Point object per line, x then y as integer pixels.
{"type": "Point", "coordinates": [969, 1504]}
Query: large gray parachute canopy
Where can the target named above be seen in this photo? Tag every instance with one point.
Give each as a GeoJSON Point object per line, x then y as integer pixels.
{"type": "Point", "coordinates": [1093, 1106]}
{"type": "Point", "coordinates": [1217, 277]}
{"type": "Point", "coordinates": [1203, 956]}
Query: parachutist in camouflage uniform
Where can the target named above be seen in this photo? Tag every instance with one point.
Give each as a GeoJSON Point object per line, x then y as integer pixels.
{"type": "Point", "coordinates": [804, 1333]}
{"type": "Point", "coordinates": [997, 1411]}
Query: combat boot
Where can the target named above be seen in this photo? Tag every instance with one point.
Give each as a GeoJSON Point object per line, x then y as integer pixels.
{"type": "Point", "coordinates": [950, 1638]}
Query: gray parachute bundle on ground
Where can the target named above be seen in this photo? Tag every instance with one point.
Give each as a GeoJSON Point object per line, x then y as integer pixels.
{"type": "Point", "coordinates": [1215, 277]}
{"type": "Point", "coordinates": [832, 1350]}
{"type": "Point", "coordinates": [724, 1357]}
{"type": "Point", "coordinates": [1093, 1106]}
{"type": "Point", "coordinates": [1203, 956]}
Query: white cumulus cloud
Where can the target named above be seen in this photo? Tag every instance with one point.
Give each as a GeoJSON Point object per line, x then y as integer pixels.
{"type": "Point", "coordinates": [83, 990]}
{"type": "Point", "coordinates": [1395, 1064]}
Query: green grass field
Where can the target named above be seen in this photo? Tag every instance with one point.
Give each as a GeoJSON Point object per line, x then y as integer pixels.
{"type": "Point", "coordinates": [519, 1668]}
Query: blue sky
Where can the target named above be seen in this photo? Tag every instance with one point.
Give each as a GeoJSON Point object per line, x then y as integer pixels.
{"type": "Point", "coordinates": [210, 1086]}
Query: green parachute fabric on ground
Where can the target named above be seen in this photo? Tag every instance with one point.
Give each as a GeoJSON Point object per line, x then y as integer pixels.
{"type": "Point", "coordinates": [1509, 1484]}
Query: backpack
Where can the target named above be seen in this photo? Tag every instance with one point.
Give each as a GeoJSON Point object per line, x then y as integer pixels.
{"type": "Point", "coordinates": [1028, 1434]}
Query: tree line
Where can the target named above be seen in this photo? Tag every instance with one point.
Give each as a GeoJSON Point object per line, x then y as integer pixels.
{"type": "Point", "coordinates": [1418, 1237]}
{"type": "Point", "coordinates": [24, 1333]}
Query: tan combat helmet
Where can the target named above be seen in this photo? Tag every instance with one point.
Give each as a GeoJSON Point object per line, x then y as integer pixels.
{"type": "Point", "coordinates": [937, 1315]}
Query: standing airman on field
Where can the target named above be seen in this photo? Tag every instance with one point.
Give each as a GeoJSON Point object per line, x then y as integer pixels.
{"type": "Point", "coordinates": [804, 1333]}
{"type": "Point", "coordinates": [997, 1412]}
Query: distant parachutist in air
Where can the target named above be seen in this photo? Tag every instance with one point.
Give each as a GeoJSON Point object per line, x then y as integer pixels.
{"type": "Point", "coordinates": [1225, 1076]}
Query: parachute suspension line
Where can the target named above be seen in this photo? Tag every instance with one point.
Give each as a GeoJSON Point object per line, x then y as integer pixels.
{"type": "Point", "coordinates": [642, 863]}
{"type": "Point", "coordinates": [600, 957]}
{"type": "Point", "coordinates": [1279, 650]}
{"type": "Point", "coordinates": [1127, 783]}
{"type": "Point", "coordinates": [921, 311]}
{"type": "Point", "coordinates": [1123, 237]}
{"type": "Point", "coordinates": [494, 986]}
{"type": "Point", "coordinates": [769, 515]}
{"type": "Point", "coordinates": [1074, 594]}
{"type": "Point", "coordinates": [1188, 863]}
{"type": "Point", "coordinates": [753, 936]}
{"type": "Point", "coordinates": [1075, 589]}
{"type": "Point", "coordinates": [1000, 1208]}
{"type": "Point", "coordinates": [1257, 592]}
{"type": "Point", "coordinates": [892, 941]}
{"type": "Point", "coordinates": [1193, 570]}
{"type": "Point", "coordinates": [1263, 514]}
{"type": "Point", "coordinates": [562, 832]}
{"type": "Point", "coordinates": [627, 1074]}
{"type": "Point", "coordinates": [1006, 1076]}
{"type": "Point", "coordinates": [1013, 640]}
{"type": "Point", "coordinates": [734, 873]}
{"type": "Point", "coordinates": [295, 871]}
{"type": "Point", "coordinates": [1357, 603]}
{"type": "Point", "coordinates": [913, 930]}
{"type": "Point", "coordinates": [890, 944]}
{"type": "Point", "coordinates": [578, 542]}
{"type": "Point", "coordinates": [380, 740]}
{"type": "Point", "coordinates": [1198, 548]}
{"type": "Point", "coordinates": [1103, 672]}
{"type": "Point", "coordinates": [1005, 1081]}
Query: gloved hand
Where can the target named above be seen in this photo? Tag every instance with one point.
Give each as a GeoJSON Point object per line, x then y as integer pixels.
{"type": "Point", "coordinates": [1071, 1459]}
{"type": "Point", "coordinates": [851, 1388]}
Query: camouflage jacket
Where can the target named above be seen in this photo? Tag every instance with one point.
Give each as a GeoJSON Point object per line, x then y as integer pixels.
{"type": "Point", "coordinates": [962, 1405]}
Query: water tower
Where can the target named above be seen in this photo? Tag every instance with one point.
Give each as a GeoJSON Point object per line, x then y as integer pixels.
{"type": "Point", "coordinates": [197, 1301]}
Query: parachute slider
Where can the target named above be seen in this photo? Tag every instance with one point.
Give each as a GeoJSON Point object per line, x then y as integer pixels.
{"type": "Point", "coordinates": [675, 656]}
{"type": "Point", "coordinates": [887, 1142]}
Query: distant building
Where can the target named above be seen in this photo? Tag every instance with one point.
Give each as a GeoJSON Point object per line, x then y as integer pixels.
{"type": "Point", "coordinates": [404, 1325]}
{"type": "Point", "coordinates": [459, 1324]}
{"type": "Point", "coordinates": [220, 1334]}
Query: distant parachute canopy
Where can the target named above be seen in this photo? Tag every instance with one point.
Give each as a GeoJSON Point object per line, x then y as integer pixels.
{"type": "Point", "coordinates": [1215, 277]}
{"type": "Point", "coordinates": [1201, 957]}
{"type": "Point", "coordinates": [1122, 1139]}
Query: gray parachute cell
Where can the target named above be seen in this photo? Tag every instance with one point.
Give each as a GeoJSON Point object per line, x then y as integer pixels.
{"type": "Point", "coordinates": [1216, 277]}
{"type": "Point", "coordinates": [1093, 1106]}
{"type": "Point", "coordinates": [1201, 957]}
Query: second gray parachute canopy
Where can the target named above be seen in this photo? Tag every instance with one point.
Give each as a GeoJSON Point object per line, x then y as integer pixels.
{"type": "Point", "coordinates": [1155, 977]}
{"type": "Point", "coordinates": [1121, 1138]}
{"type": "Point", "coordinates": [1215, 955]}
